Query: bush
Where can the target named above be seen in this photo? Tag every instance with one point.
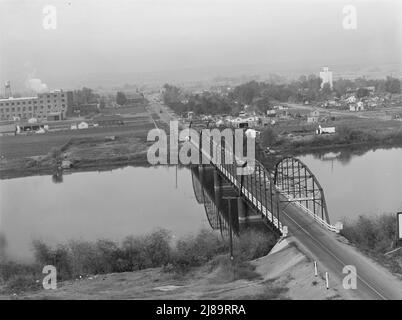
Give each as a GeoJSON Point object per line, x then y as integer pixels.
{"type": "Point", "coordinates": [157, 248]}
{"type": "Point", "coordinates": [253, 244]}
{"type": "Point", "coordinates": [9, 270]}
{"type": "Point", "coordinates": [59, 257]}
{"type": "Point", "coordinates": [23, 282]}
{"type": "Point", "coordinates": [83, 258]}
{"type": "Point", "coordinates": [372, 233]}
{"type": "Point", "coordinates": [192, 251]}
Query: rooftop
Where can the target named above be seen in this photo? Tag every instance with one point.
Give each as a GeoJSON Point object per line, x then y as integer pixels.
{"type": "Point", "coordinates": [21, 98]}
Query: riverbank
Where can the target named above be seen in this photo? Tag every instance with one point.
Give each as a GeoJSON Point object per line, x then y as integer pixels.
{"type": "Point", "coordinates": [95, 151]}
{"type": "Point", "coordinates": [80, 259]}
{"type": "Point", "coordinates": [375, 237]}
{"type": "Point", "coordinates": [284, 273]}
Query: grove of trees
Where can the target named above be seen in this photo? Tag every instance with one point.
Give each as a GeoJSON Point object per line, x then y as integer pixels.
{"type": "Point", "coordinates": [263, 95]}
{"type": "Point", "coordinates": [121, 98]}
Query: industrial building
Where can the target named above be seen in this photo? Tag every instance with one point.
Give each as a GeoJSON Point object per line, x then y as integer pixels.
{"type": "Point", "coordinates": [50, 106]}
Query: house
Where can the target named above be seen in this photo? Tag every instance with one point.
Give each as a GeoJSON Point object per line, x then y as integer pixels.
{"type": "Point", "coordinates": [279, 107]}
{"type": "Point", "coordinates": [370, 89]}
{"type": "Point", "coordinates": [327, 130]}
{"type": "Point", "coordinates": [244, 122]}
{"type": "Point", "coordinates": [83, 125]}
{"type": "Point", "coordinates": [351, 99]}
{"type": "Point", "coordinates": [359, 106]}
{"type": "Point", "coordinates": [313, 117]}
{"type": "Point", "coordinates": [29, 127]}
{"type": "Point", "coordinates": [271, 113]}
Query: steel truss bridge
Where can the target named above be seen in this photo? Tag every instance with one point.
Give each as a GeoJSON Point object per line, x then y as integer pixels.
{"type": "Point", "coordinates": [266, 193]}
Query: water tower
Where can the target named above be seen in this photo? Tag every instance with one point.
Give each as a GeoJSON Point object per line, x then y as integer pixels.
{"type": "Point", "coordinates": [7, 89]}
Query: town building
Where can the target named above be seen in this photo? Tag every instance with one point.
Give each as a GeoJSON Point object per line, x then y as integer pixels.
{"type": "Point", "coordinates": [50, 106]}
{"type": "Point", "coordinates": [326, 77]}
{"type": "Point", "coordinates": [325, 130]}
{"type": "Point", "coordinates": [135, 99]}
{"type": "Point", "coordinates": [359, 106]}
{"type": "Point", "coordinates": [313, 117]}
{"type": "Point", "coordinates": [351, 99]}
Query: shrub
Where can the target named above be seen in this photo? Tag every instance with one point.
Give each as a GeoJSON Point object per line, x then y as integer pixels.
{"type": "Point", "coordinates": [9, 270]}
{"type": "Point", "coordinates": [157, 248]}
{"type": "Point", "coordinates": [23, 282]}
{"type": "Point", "coordinates": [59, 257]}
{"type": "Point", "coordinates": [193, 251]}
{"type": "Point", "coordinates": [371, 233]}
{"type": "Point", "coordinates": [253, 244]}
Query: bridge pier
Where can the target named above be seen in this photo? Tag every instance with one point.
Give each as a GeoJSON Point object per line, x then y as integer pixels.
{"type": "Point", "coordinates": [246, 215]}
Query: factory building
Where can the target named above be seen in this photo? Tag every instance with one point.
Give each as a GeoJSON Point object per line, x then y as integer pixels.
{"type": "Point", "coordinates": [50, 106]}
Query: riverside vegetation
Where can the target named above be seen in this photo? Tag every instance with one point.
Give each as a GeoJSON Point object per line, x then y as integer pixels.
{"type": "Point", "coordinates": [376, 237]}
{"type": "Point", "coordinates": [77, 259]}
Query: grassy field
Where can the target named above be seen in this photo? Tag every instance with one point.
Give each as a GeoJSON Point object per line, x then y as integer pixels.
{"type": "Point", "coordinates": [12, 147]}
{"type": "Point", "coordinates": [95, 147]}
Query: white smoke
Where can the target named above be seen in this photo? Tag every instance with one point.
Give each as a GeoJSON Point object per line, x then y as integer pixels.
{"type": "Point", "coordinates": [37, 85]}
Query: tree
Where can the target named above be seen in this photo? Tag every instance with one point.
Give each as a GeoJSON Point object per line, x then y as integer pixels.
{"type": "Point", "coordinates": [362, 92]}
{"type": "Point", "coordinates": [392, 85]}
{"type": "Point", "coordinates": [102, 103]}
{"type": "Point", "coordinates": [326, 90]}
{"type": "Point", "coordinates": [84, 96]}
{"type": "Point", "coordinates": [245, 93]}
{"type": "Point", "coordinates": [342, 85]}
{"type": "Point", "coordinates": [268, 137]}
{"type": "Point", "coordinates": [121, 98]}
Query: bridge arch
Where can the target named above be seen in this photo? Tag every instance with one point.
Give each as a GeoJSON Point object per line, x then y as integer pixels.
{"type": "Point", "coordinates": [295, 179]}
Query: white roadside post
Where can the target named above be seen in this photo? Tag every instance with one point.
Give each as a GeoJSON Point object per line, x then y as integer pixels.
{"type": "Point", "coordinates": [399, 227]}
{"type": "Point", "coordinates": [315, 269]}
{"type": "Point", "coordinates": [327, 280]}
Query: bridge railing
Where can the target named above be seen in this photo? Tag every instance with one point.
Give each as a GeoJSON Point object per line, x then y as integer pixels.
{"type": "Point", "coordinates": [317, 218]}
{"type": "Point", "coordinates": [245, 187]}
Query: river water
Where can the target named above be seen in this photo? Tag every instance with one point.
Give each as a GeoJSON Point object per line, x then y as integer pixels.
{"type": "Point", "coordinates": [368, 183]}
{"type": "Point", "coordinates": [136, 200]}
{"type": "Point", "coordinates": [97, 205]}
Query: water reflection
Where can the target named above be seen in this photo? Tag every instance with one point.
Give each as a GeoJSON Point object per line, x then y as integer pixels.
{"type": "Point", "coordinates": [96, 205]}
{"type": "Point", "coordinates": [359, 182]}
{"type": "Point", "coordinates": [216, 215]}
{"type": "Point", "coordinates": [57, 177]}
{"type": "Point", "coordinates": [3, 246]}
{"type": "Point", "coordinates": [345, 155]}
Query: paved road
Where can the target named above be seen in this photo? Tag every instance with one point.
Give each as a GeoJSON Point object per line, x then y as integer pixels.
{"type": "Point", "coordinates": [333, 253]}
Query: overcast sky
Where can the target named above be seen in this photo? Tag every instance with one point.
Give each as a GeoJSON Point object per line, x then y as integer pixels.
{"type": "Point", "coordinates": [122, 40]}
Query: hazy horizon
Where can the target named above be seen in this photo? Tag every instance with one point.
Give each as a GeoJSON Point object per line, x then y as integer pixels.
{"type": "Point", "coordinates": [114, 42]}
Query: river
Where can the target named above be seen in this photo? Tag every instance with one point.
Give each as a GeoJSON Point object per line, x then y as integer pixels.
{"type": "Point", "coordinates": [368, 183]}
{"type": "Point", "coordinates": [97, 205]}
{"type": "Point", "coordinates": [137, 200]}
